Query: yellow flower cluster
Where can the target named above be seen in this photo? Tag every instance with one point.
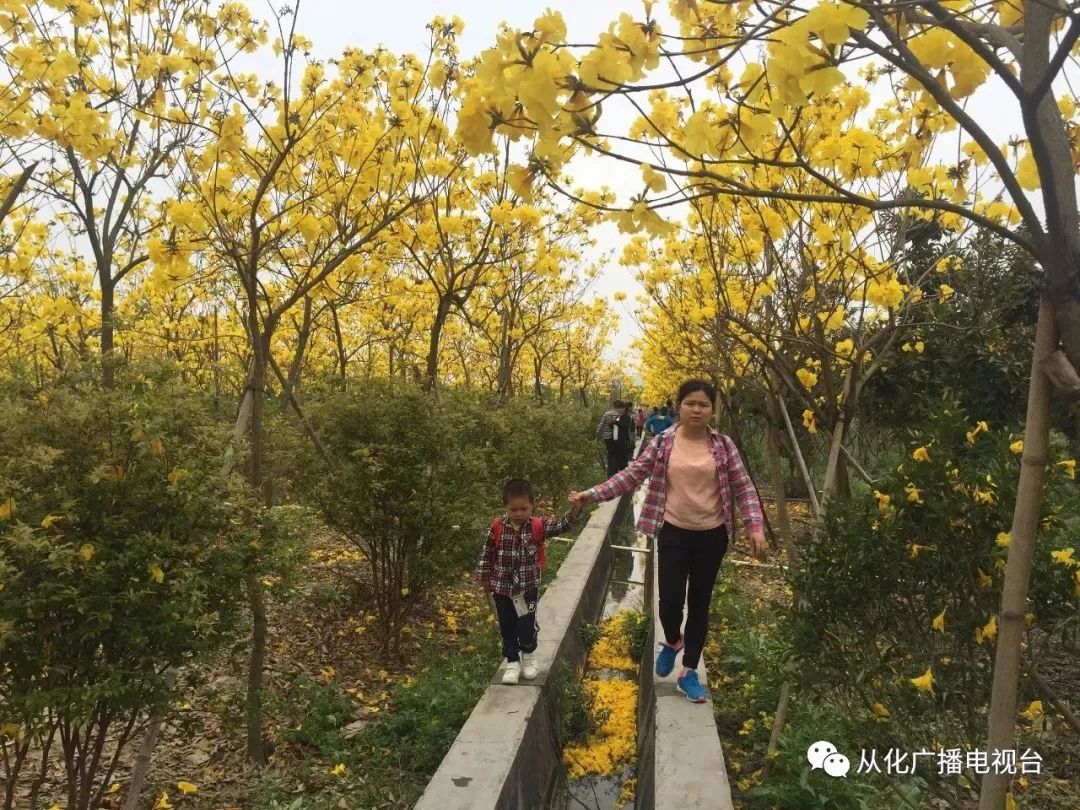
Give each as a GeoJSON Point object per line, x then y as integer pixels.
{"type": "Point", "coordinates": [612, 650]}
{"type": "Point", "coordinates": [612, 745]}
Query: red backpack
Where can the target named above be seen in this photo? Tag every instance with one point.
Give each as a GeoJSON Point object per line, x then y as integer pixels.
{"type": "Point", "coordinates": [537, 534]}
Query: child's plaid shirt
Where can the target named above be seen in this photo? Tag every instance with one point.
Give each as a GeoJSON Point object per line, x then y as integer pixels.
{"type": "Point", "coordinates": [652, 464]}
{"type": "Point", "coordinates": [514, 567]}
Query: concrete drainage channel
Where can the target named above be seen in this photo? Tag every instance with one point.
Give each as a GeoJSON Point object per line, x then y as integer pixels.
{"type": "Point", "coordinates": [507, 756]}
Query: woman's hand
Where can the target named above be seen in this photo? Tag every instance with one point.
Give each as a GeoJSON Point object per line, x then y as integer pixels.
{"type": "Point", "coordinates": [579, 500]}
{"type": "Point", "coordinates": [757, 545]}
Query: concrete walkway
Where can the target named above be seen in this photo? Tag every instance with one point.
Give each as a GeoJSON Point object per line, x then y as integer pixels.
{"type": "Point", "coordinates": [680, 758]}
{"type": "Point", "coordinates": [507, 754]}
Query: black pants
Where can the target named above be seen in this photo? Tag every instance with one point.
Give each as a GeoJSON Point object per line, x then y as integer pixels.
{"type": "Point", "coordinates": [518, 632]}
{"type": "Point", "coordinates": [694, 557]}
{"type": "Point", "coordinates": [614, 456]}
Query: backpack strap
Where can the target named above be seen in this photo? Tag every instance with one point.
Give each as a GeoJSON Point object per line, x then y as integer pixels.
{"type": "Point", "coordinates": [538, 538]}
{"type": "Point", "coordinates": [496, 529]}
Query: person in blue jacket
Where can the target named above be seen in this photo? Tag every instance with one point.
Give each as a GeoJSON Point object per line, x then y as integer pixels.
{"type": "Point", "coordinates": [658, 421]}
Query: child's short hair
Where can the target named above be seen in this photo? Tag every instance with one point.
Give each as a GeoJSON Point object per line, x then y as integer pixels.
{"type": "Point", "coordinates": [517, 488]}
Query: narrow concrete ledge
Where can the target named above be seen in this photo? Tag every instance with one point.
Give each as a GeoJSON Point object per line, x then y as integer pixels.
{"type": "Point", "coordinates": [506, 756]}
{"type": "Point", "coordinates": [680, 759]}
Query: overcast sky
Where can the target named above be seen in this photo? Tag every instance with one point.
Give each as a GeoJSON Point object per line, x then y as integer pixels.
{"type": "Point", "coordinates": [399, 25]}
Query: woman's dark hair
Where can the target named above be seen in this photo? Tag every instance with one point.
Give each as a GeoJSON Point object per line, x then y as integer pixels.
{"type": "Point", "coordinates": [517, 488]}
{"type": "Point", "coordinates": [690, 386]}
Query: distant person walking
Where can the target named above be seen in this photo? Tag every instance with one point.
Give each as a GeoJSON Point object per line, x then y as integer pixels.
{"type": "Point", "coordinates": [626, 437]}
{"type": "Point", "coordinates": [696, 477]}
{"type": "Point", "coordinates": [608, 431]}
{"type": "Point", "coordinates": [659, 421]}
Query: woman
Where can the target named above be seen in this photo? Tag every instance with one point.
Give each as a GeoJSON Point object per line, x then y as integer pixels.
{"type": "Point", "coordinates": [693, 473]}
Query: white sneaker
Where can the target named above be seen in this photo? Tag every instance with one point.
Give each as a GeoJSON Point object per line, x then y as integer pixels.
{"type": "Point", "coordinates": [528, 666]}
{"type": "Point", "coordinates": [512, 672]}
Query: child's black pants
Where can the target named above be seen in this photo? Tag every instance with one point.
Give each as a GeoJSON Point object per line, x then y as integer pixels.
{"type": "Point", "coordinates": [518, 632]}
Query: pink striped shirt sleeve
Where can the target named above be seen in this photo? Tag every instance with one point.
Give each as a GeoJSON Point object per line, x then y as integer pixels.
{"type": "Point", "coordinates": [628, 479]}
{"type": "Point", "coordinates": [743, 486]}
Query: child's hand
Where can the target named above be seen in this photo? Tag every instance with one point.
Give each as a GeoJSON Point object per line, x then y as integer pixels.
{"type": "Point", "coordinates": [579, 500]}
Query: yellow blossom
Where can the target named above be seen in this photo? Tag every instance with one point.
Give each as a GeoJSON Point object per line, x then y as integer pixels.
{"type": "Point", "coordinates": [921, 454]}
{"type": "Point", "coordinates": [807, 377]}
{"type": "Point", "coordinates": [939, 621]}
{"type": "Point", "coordinates": [809, 421]}
{"type": "Point", "coordinates": [1017, 447]}
{"type": "Point", "coordinates": [1034, 710]}
{"type": "Point", "coordinates": [925, 682]}
{"type": "Point", "coordinates": [882, 501]}
{"type": "Point", "coordinates": [339, 769]}
{"type": "Point", "coordinates": [163, 802]}
{"type": "Point", "coordinates": [1064, 556]}
{"type": "Point", "coordinates": [1003, 539]}
{"type": "Point", "coordinates": [879, 711]}
{"type": "Point", "coordinates": [1069, 465]}
{"type": "Point", "coordinates": [187, 788]}
{"type": "Point", "coordinates": [987, 632]}
{"type": "Point", "coordinates": [980, 427]}
{"type": "Point", "coordinates": [985, 581]}
{"type": "Point", "coordinates": [913, 494]}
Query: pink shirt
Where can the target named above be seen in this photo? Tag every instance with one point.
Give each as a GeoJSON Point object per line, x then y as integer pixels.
{"type": "Point", "coordinates": [736, 488]}
{"type": "Point", "coordinates": [693, 490]}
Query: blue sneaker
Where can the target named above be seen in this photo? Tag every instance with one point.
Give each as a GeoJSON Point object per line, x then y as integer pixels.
{"type": "Point", "coordinates": [665, 661]}
{"type": "Point", "coordinates": [689, 685]}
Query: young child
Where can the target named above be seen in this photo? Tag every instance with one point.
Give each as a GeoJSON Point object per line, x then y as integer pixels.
{"type": "Point", "coordinates": [510, 570]}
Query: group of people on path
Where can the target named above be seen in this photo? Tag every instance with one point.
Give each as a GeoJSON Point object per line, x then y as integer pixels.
{"type": "Point", "coordinates": [620, 427]}
{"type": "Point", "coordinates": [696, 478]}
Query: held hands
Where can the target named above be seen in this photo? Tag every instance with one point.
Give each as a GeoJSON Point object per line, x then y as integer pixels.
{"type": "Point", "coordinates": [757, 545]}
{"type": "Point", "coordinates": [578, 501]}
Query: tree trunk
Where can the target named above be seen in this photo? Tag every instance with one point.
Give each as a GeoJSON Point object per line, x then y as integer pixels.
{"type": "Point", "coordinates": [16, 189]}
{"type": "Point", "coordinates": [836, 482]}
{"type": "Point", "coordinates": [292, 380]}
{"type": "Point", "coordinates": [339, 343]}
{"type": "Point", "coordinates": [254, 588]}
{"type": "Point", "coordinates": [432, 373]}
{"type": "Point", "coordinates": [777, 470]}
{"type": "Point", "coordinates": [107, 309]}
{"type": "Point", "coordinates": [1025, 526]}
{"type": "Point", "coordinates": [146, 751]}
{"type": "Point", "coordinates": [811, 490]}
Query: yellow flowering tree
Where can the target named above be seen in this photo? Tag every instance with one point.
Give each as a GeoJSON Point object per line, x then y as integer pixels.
{"type": "Point", "coordinates": [298, 202]}
{"type": "Point", "coordinates": [111, 115]}
{"type": "Point", "coordinates": [747, 74]}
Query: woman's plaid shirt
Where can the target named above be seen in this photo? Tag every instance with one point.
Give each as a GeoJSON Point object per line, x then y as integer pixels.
{"type": "Point", "coordinates": [652, 464]}
{"type": "Point", "coordinates": [514, 567]}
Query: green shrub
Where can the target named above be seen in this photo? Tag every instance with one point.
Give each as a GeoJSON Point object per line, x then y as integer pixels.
{"type": "Point", "coordinates": [925, 544]}
{"type": "Point", "coordinates": [636, 625]}
{"type": "Point", "coordinates": [122, 548]}
{"type": "Point", "coordinates": [414, 480]}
